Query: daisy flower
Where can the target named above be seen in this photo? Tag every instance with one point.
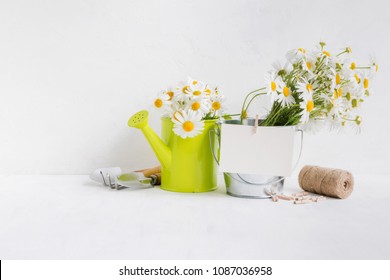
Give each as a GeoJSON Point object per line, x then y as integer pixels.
{"type": "Point", "coordinates": [338, 92]}
{"type": "Point", "coordinates": [170, 91]}
{"type": "Point", "coordinates": [337, 107]}
{"type": "Point", "coordinates": [209, 91]}
{"type": "Point", "coordinates": [191, 81]}
{"type": "Point", "coordinates": [356, 123]}
{"type": "Point", "coordinates": [309, 62]}
{"type": "Point", "coordinates": [354, 78]}
{"type": "Point", "coordinates": [334, 122]}
{"type": "Point", "coordinates": [196, 90]}
{"type": "Point", "coordinates": [305, 88]}
{"type": "Point", "coordinates": [361, 82]}
{"type": "Point", "coordinates": [181, 92]}
{"type": "Point", "coordinates": [272, 84]}
{"type": "Point", "coordinates": [333, 79]}
{"type": "Point", "coordinates": [374, 67]}
{"type": "Point", "coordinates": [354, 97]}
{"type": "Point", "coordinates": [322, 54]}
{"type": "Point", "coordinates": [161, 102]}
{"type": "Point", "coordinates": [349, 65]}
{"type": "Point", "coordinates": [326, 56]}
{"type": "Point", "coordinates": [280, 69]}
{"type": "Point", "coordinates": [285, 98]}
{"type": "Point", "coordinates": [307, 106]}
{"type": "Point", "coordinates": [217, 107]}
{"type": "Point", "coordinates": [176, 106]}
{"type": "Point", "coordinates": [187, 124]}
{"type": "Point", "coordinates": [313, 126]}
{"type": "Point", "coordinates": [355, 103]}
{"type": "Point", "coordinates": [183, 87]}
{"type": "Point", "coordinates": [293, 56]}
{"type": "Point", "coordinates": [200, 105]}
{"type": "Point", "coordinates": [365, 83]}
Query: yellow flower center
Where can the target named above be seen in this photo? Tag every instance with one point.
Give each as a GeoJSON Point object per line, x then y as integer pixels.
{"type": "Point", "coordinates": [195, 106]}
{"type": "Point", "coordinates": [185, 89]}
{"type": "Point", "coordinates": [286, 91]}
{"type": "Point", "coordinates": [302, 50]}
{"type": "Point", "coordinates": [196, 93]}
{"type": "Point", "coordinates": [194, 82]}
{"type": "Point", "coordinates": [174, 115]}
{"type": "Point", "coordinates": [338, 93]}
{"type": "Point", "coordinates": [376, 67]}
{"type": "Point", "coordinates": [158, 103]}
{"type": "Point", "coordinates": [308, 65]}
{"type": "Point", "coordinates": [171, 94]}
{"type": "Point", "coordinates": [244, 114]}
{"type": "Point", "coordinates": [273, 86]}
{"type": "Point", "coordinates": [354, 103]}
{"type": "Point", "coordinates": [208, 91]}
{"type": "Point", "coordinates": [309, 106]}
{"type": "Point", "coordinates": [338, 79]}
{"type": "Point", "coordinates": [326, 53]}
{"type": "Point", "coordinates": [216, 105]}
{"type": "Point", "coordinates": [353, 65]}
{"type": "Point", "coordinates": [365, 83]}
{"type": "Point", "coordinates": [188, 126]}
{"type": "Point", "coordinates": [309, 87]}
{"type": "Point", "coordinates": [357, 78]}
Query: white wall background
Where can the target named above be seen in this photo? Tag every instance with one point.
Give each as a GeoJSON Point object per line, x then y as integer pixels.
{"type": "Point", "coordinates": [72, 72]}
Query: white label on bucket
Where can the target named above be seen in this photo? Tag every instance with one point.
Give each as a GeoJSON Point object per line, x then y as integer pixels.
{"type": "Point", "coordinates": [268, 152]}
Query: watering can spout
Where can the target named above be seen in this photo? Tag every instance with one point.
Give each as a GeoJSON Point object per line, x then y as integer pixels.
{"type": "Point", "coordinates": [162, 151]}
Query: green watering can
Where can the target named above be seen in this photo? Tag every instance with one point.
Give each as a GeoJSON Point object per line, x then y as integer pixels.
{"type": "Point", "coordinates": [187, 165]}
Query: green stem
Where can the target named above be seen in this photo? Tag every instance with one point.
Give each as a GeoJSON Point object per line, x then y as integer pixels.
{"type": "Point", "coordinates": [341, 53]}
{"type": "Point", "coordinates": [246, 98]}
{"type": "Point", "coordinates": [363, 67]}
{"type": "Point", "coordinates": [253, 97]}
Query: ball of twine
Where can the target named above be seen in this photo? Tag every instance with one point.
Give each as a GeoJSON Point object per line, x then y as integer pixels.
{"type": "Point", "coordinates": [326, 181]}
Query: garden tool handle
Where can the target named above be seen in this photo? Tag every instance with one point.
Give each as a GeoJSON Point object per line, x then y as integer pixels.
{"type": "Point", "coordinates": [152, 175]}
{"type": "Point", "coordinates": [151, 171]}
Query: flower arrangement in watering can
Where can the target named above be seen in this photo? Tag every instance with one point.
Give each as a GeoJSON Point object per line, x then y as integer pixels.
{"type": "Point", "coordinates": [190, 110]}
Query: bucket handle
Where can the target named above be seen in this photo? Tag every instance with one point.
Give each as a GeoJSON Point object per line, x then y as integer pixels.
{"type": "Point", "coordinates": [214, 131]}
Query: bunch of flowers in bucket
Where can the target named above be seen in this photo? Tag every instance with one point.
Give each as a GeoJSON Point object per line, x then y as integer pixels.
{"type": "Point", "coordinates": [188, 105]}
{"type": "Point", "coordinates": [316, 88]}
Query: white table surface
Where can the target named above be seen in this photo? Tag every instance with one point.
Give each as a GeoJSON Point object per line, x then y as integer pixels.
{"type": "Point", "coordinates": [71, 217]}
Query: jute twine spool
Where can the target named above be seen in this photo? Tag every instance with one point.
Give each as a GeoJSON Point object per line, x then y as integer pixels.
{"type": "Point", "coordinates": [326, 181]}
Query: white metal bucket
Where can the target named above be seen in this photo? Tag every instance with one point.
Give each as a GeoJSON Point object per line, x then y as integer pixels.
{"type": "Point", "coordinates": [252, 185]}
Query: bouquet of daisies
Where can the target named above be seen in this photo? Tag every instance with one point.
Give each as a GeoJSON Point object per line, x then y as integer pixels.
{"type": "Point", "coordinates": [188, 105]}
{"type": "Point", "coordinates": [315, 88]}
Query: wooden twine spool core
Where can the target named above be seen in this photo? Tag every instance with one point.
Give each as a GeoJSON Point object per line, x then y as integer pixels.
{"type": "Point", "coordinates": [326, 181]}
